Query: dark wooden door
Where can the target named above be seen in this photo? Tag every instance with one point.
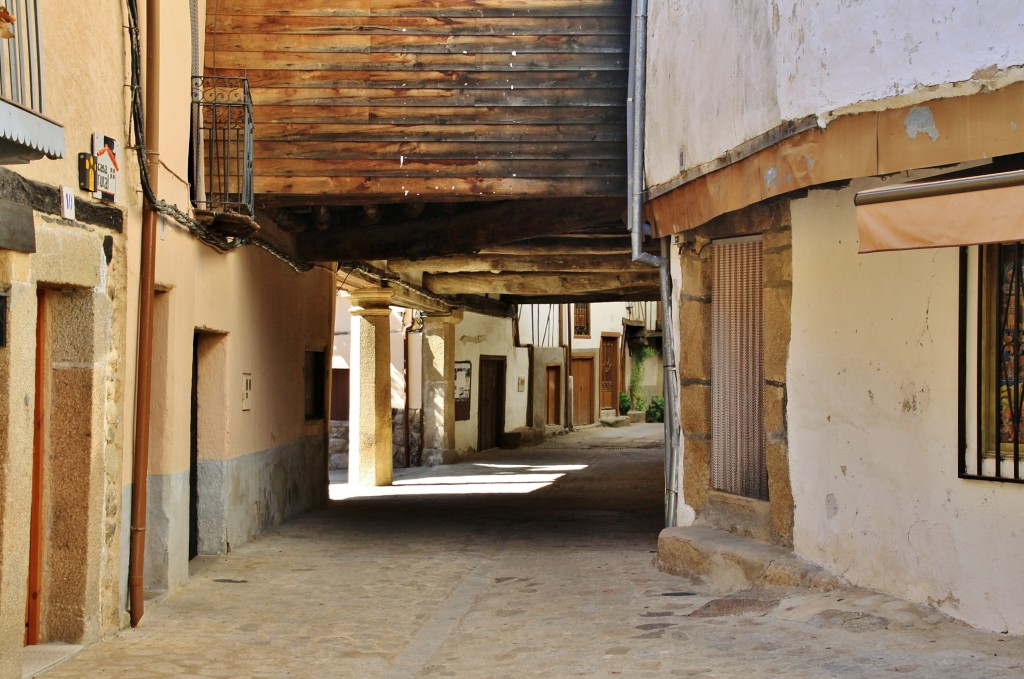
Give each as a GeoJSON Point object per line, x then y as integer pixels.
{"type": "Point", "coordinates": [553, 395]}
{"type": "Point", "coordinates": [339, 393]}
{"type": "Point", "coordinates": [491, 402]}
{"type": "Point", "coordinates": [583, 390]}
{"type": "Point", "coordinates": [610, 373]}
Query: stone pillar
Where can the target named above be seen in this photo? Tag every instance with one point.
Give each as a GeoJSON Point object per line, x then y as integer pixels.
{"type": "Point", "coordinates": [439, 388]}
{"type": "Point", "coordinates": [370, 389]}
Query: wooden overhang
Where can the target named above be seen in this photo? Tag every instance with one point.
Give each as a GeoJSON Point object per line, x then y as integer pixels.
{"type": "Point", "coordinates": [406, 131]}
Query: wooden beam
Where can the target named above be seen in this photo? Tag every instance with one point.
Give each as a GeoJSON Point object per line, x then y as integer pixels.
{"type": "Point", "coordinates": [487, 306]}
{"type": "Point", "coordinates": [541, 284]}
{"type": "Point", "coordinates": [461, 233]}
{"type": "Point", "coordinates": [285, 191]}
{"type": "Point", "coordinates": [508, 263]}
{"type": "Point", "coordinates": [639, 295]}
{"type": "Point", "coordinates": [477, 8]}
{"type": "Point", "coordinates": [556, 246]}
{"type": "Point", "coordinates": [406, 295]}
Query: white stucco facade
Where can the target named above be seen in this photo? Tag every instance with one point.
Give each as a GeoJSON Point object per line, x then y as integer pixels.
{"type": "Point", "coordinates": [478, 335]}
{"type": "Point", "coordinates": [750, 66]}
{"type": "Point", "coordinates": [873, 426]}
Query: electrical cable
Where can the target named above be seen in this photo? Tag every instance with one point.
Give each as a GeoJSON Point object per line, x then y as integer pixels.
{"type": "Point", "coordinates": [161, 206]}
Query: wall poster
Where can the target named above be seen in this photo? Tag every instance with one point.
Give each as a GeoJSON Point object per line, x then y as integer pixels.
{"type": "Point", "coordinates": [463, 381]}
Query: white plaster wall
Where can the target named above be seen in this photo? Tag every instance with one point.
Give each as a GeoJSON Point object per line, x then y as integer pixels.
{"type": "Point", "coordinates": [710, 81]}
{"type": "Point", "coordinates": [342, 332]}
{"type": "Point", "coordinates": [746, 67]}
{"type": "Point", "coordinates": [478, 335]}
{"type": "Point", "coordinates": [605, 317]}
{"type": "Point", "coordinates": [833, 53]}
{"type": "Point", "coordinates": [872, 413]}
{"type": "Point", "coordinates": [343, 346]}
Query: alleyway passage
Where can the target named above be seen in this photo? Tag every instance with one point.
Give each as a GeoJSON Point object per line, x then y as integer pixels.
{"type": "Point", "coordinates": [554, 582]}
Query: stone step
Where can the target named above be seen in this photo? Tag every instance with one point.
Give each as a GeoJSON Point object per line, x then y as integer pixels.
{"type": "Point", "coordinates": [617, 421]}
{"type": "Point", "coordinates": [725, 562]}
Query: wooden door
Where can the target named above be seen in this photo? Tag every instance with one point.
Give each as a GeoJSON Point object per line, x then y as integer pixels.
{"type": "Point", "coordinates": [35, 544]}
{"type": "Point", "coordinates": [491, 402]}
{"type": "Point", "coordinates": [339, 393]}
{"type": "Point", "coordinates": [583, 390]}
{"type": "Point", "coordinates": [553, 395]}
{"type": "Point", "coordinates": [610, 373]}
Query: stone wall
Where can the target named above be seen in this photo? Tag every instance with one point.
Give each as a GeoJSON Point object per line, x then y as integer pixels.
{"type": "Point", "coordinates": [338, 451]}
{"type": "Point", "coordinates": [772, 520]}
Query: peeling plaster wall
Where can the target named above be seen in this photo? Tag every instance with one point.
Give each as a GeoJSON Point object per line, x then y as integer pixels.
{"type": "Point", "coordinates": [750, 66]}
{"type": "Point", "coordinates": [707, 61]}
{"type": "Point", "coordinates": [478, 335]}
{"type": "Point", "coordinates": [873, 426]}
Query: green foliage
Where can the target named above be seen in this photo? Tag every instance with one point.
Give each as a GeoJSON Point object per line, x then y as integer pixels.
{"type": "Point", "coordinates": [640, 356]}
{"type": "Point", "coordinates": [624, 403]}
{"type": "Point", "coordinates": [656, 411]}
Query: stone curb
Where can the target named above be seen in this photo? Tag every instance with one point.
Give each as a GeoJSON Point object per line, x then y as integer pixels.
{"type": "Point", "coordinates": [729, 563]}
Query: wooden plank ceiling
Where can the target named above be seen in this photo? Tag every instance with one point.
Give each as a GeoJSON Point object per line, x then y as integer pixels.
{"type": "Point", "coordinates": [403, 129]}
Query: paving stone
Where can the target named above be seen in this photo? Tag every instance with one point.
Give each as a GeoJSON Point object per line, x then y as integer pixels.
{"type": "Point", "coordinates": [552, 577]}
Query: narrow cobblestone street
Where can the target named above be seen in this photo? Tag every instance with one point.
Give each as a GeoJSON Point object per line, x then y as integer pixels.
{"type": "Point", "coordinates": [549, 573]}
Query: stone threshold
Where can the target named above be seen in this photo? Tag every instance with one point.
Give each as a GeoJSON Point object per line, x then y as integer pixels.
{"type": "Point", "coordinates": [724, 562]}
{"type": "Point", "coordinates": [37, 659]}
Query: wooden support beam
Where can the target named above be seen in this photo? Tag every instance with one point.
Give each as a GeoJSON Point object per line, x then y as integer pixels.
{"type": "Point", "coordinates": [511, 263]}
{"type": "Point", "coordinates": [487, 306]}
{"type": "Point", "coordinates": [461, 233]}
{"type": "Point", "coordinates": [541, 284]}
{"type": "Point", "coordinates": [644, 295]}
{"type": "Point", "coordinates": [556, 246]}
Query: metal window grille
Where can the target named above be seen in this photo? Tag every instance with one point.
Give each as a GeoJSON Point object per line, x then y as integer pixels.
{"type": "Point", "coordinates": [1000, 361]}
{"type": "Point", "coordinates": [737, 375]}
{"type": "Point", "coordinates": [21, 71]}
{"type": "Point", "coordinates": [222, 119]}
{"type": "Point", "coordinates": [581, 320]}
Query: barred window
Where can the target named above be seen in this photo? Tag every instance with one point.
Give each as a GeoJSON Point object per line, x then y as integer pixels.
{"type": "Point", "coordinates": [992, 355]}
{"type": "Point", "coordinates": [581, 320]}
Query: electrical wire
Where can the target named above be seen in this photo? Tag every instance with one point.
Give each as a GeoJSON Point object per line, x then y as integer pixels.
{"type": "Point", "coordinates": [161, 206]}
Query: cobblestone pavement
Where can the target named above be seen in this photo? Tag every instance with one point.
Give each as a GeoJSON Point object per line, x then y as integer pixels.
{"type": "Point", "coordinates": [536, 580]}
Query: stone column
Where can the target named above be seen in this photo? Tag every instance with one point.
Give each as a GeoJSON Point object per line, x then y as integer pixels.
{"type": "Point", "coordinates": [439, 388]}
{"type": "Point", "coordinates": [370, 389]}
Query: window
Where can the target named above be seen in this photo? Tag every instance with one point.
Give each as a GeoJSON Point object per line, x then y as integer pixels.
{"type": "Point", "coordinates": [581, 320]}
{"type": "Point", "coordinates": [26, 134]}
{"type": "Point", "coordinates": [992, 362]}
{"type": "Point", "coordinates": [313, 375]}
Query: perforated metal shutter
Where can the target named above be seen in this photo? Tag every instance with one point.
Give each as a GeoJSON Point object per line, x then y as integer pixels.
{"type": "Point", "coordinates": [737, 376]}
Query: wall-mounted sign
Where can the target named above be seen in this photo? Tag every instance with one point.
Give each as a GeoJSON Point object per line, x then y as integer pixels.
{"type": "Point", "coordinates": [67, 202]}
{"type": "Point", "coordinates": [106, 151]}
{"type": "Point", "coordinates": [87, 172]}
{"type": "Point", "coordinates": [463, 382]}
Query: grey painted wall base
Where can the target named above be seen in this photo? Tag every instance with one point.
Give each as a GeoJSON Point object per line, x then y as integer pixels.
{"type": "Point", "coordinates": [166, 532]}
{"type": "Point", "coordinates": [238, 499]}
{"type": "Point", "coordinates": [241, 497]}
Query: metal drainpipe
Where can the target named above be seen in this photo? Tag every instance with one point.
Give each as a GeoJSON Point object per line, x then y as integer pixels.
{"type": "Point", "coordinates": [406, 327]}
{"type": "Point", "coordinates": [144, 366]}
{"type": "Point", "coordinates": [636, 111]}
{"type": "Point", "coordinates": [673, 452]}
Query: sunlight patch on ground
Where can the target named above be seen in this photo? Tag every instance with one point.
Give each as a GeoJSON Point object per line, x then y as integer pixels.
{"type": "Point", "coordinates": [504, 479]}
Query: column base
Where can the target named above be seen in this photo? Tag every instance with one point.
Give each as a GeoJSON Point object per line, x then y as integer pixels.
{"type": "Point", "coordinates": [433, 457]}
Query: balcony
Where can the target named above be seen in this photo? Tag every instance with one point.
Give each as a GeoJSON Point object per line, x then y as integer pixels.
{"type": "Point", "coordinates": [26, 134]}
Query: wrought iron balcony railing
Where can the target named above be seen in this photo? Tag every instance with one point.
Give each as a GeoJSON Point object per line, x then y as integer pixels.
{"type": "Point", "coordinates": [222, 130]}
{"type": "Point", "coordinates": [25, 132]}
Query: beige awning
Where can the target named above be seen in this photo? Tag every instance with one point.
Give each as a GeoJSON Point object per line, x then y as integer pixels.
{"type": "Point", "coordinates": [944, 213]}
